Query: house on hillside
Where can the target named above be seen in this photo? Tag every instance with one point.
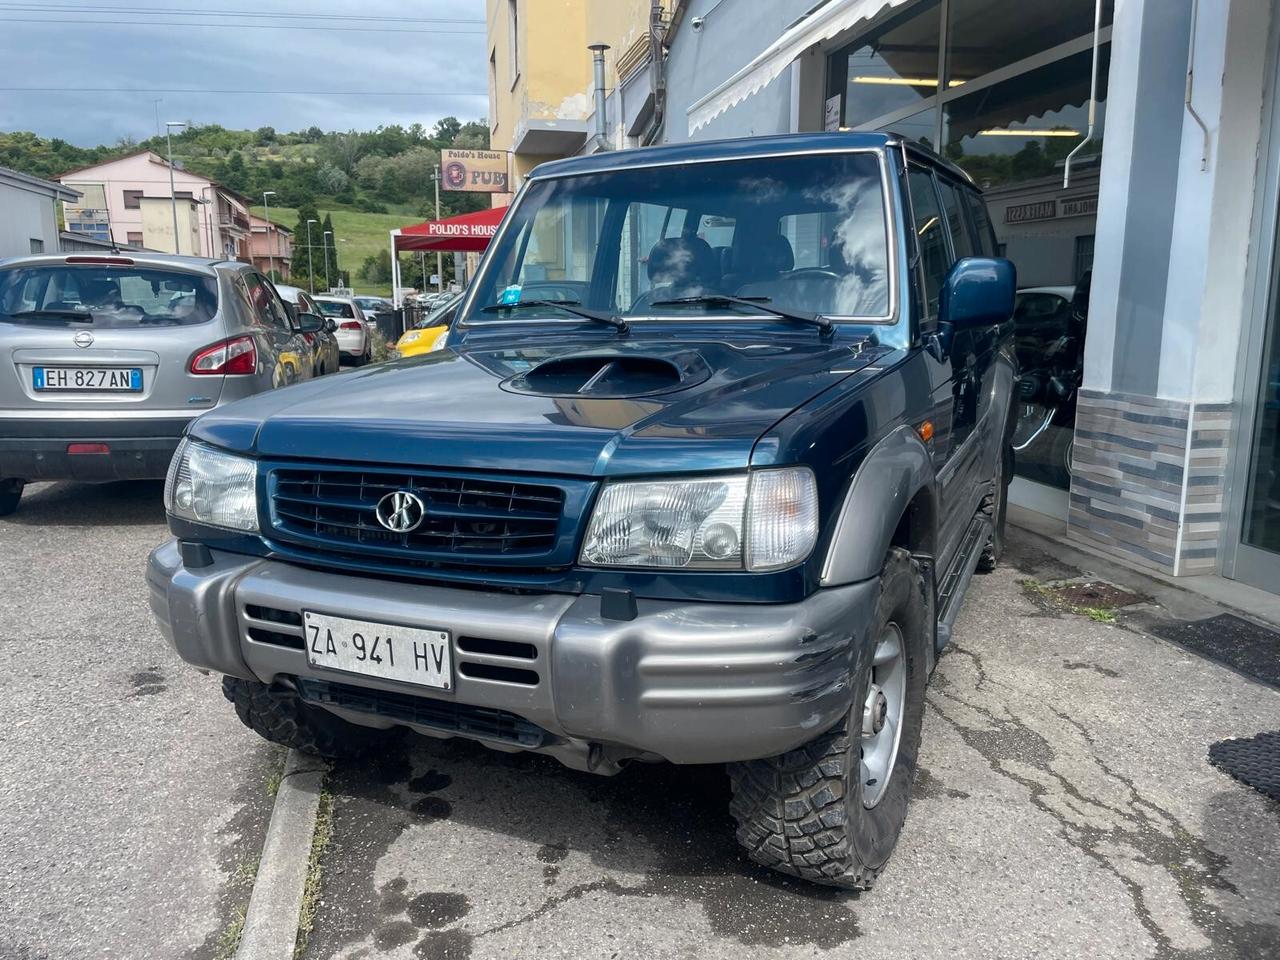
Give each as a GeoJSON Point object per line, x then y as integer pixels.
{"type": "Point", "coordinates": [270, 246]}
{"type": "Point", "coordinates": [129, 200]}
{"type": "Point", "coordinates": [28, 213]}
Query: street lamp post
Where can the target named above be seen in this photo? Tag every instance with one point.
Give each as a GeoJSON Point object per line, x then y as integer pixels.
{"type": "Point", "coordinates": [327, 235]}
{"type": "Point", "coordinates": [266, 215]}
{"type": "Point", "coordinates": [173, 195]}
{"type": "Point", "coordinates": [435, 178]}
{"type": "Point", "coordinates": [336, 266]}
{"type": "Point", "coordinates": [311, 273]}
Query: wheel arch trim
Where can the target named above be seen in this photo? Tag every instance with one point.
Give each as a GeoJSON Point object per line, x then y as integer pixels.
{"type": "Point", "coordinates": [893, 474]}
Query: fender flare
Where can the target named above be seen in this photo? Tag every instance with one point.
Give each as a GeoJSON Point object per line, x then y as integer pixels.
{"type": "Point", "coordinates": [894, 472]}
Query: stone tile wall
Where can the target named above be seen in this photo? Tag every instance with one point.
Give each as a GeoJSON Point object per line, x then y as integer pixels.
{"type": "Point", "coordinates": [1148, 479]}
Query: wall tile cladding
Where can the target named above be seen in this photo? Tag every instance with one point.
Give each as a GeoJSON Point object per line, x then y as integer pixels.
{"type": "Point", "coordinates": [1135, 482]}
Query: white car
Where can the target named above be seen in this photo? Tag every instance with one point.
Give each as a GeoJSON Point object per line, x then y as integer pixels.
{"type": "Point", "coordinates": [353, 330]}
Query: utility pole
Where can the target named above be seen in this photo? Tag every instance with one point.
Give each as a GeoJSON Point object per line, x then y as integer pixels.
{"type": "Point", "coordinates": [327, 284]}
{"type": "Point", "coordinates": [266, 215]}
{"type": "Point", "coordinates": [435, 178]}
{"type": "Point", "coordinates": [157, 101]}
{"type": "Point", "coordinates": [311, 273]}
{"type": "Point", "coordinates": [173, 195]}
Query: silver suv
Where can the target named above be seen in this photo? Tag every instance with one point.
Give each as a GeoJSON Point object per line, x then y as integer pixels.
{"type": "Point", "coordinates": [104, 360]}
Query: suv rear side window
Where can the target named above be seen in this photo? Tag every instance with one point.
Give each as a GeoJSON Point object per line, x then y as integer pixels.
{"type": "Point", "coordinates": [931, 238]}
{"type": "Point", "coordinates": [106, 296]}
{"type": "Point", "coordinates": [956, 219]}
{"type": "Point", "coordinates": [266, 303]}
{"type": "Point", "coordinates": [983, 233]}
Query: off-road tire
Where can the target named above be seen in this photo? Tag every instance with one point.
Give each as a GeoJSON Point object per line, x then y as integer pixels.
{"type": "Point", "coordinates": [10, 494]}
{"type": "Point", "coordinates": [801, 813]}
{"type": "Point", "coordinates": [997, 508]}
{"type": "Point", "coordinates": [282, 717]}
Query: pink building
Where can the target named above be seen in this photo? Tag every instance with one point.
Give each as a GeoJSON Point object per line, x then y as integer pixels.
{"type": "Point", "coordinates": [269, 241]}
{"type": "Point", "coordinates": [112, 207]}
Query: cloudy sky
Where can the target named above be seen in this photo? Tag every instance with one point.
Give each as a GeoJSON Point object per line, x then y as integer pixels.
{"type": "Point", "coordinates": [335, 64]}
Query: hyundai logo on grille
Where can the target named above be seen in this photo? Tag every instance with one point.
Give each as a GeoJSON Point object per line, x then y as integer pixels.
{"type": "Point", "coordinates": [401, 512]}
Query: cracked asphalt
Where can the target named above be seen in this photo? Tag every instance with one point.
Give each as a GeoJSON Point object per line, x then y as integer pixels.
{"type": "Point", "coordinates": [132, 801]}
{"type": "Point", "coordinates": [1063, 808]}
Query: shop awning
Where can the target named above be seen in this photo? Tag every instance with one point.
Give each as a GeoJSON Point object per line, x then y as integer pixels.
{"type": "Point", "coordinates": [467, 232]}
{"type": "Point", "coordinates": [829, 20]}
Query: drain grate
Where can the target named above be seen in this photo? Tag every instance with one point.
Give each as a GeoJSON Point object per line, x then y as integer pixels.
{"type": "Point", "coordinates": [1254, 761]}
{"type": "Point", "coordinates": [1095, 594]}
{"type": "Point", "coordinates": [1251, 649]}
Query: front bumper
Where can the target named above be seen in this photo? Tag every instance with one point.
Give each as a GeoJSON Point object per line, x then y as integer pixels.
{"type": "Point", "coordinates": [139, 449]}
{"type": "Point", "coordinates": [687, 682]}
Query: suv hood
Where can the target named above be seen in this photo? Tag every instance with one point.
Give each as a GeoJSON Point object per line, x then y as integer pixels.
{"type": "Point", "coordinates": [477, 408]}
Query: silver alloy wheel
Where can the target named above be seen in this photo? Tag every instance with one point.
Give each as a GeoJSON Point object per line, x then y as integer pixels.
{"type": "Point", "coordinates": [882, 714]}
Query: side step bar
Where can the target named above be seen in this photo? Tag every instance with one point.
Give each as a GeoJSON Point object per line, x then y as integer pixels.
{"type": "Point", "coordinates": [952, 589]}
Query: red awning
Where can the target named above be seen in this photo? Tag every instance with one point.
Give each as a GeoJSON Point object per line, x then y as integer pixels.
{"type": "Point", "coordinates": [467, 232]}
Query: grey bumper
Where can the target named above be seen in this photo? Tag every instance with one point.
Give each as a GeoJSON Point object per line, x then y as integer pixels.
{"type": "Point", "coordinates": [689, 682]}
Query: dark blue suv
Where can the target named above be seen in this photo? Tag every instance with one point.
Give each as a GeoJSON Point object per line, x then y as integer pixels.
{"type": "Point", "coordinates": [717, 441]}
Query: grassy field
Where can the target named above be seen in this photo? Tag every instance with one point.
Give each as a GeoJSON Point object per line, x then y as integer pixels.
{"type": "Point", "coordinates": [365, 233]}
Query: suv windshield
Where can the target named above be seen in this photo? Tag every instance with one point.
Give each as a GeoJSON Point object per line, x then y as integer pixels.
{"type": "Point", "coordinates": [803, 233]}
{"type": "Point", "coordinates": [335, 308]}
{"type": "Point", "coordinates": [106, 296]}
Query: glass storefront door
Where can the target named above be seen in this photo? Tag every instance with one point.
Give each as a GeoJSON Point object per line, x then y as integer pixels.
{"type": "Point", "coordinates": [1258, 558]}
{"type": "Point", "coordinates": [1001, 88]}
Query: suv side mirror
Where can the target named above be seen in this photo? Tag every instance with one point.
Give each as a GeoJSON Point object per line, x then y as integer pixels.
{"type": "Point", "coordinates": [978, 292]}
{"type": "Point", "coordinates": [310, 323]}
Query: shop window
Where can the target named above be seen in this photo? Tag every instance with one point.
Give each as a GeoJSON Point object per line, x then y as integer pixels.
{"type": "Point", "coordinates": [1084, 256]}
{"type": "Point", "coordinates": [921, 127]}
{"type": "Point", "coordinates": [889, 68]}
{"type": "Point", "coordinates": [985, 35]}
{"type": "Point", "coordinates": [1013, 138]}
{"type": "Point", "coordinates": [930, 235]}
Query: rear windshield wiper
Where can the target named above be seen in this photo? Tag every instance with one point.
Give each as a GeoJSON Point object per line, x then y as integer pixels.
{"type": "Point", "coordinates": [760, 303]}
{"type": "Point", "coordinates": [51, 315]}
{"type": "Point", "coordinates": [568, 306]}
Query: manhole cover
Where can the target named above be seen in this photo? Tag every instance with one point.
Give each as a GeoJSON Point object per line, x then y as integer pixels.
{"type": "Point", "coordinates": [1254, 761]}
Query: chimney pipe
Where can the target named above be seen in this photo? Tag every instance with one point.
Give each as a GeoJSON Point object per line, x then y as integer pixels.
{"type": "Point", "coordinates": [597, 66]}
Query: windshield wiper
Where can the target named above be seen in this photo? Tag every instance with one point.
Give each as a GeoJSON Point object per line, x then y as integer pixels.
{"type": "Point", "coordinates": [51, 315]}
{"type": "Point", "coordinates": [568, 306]}
{"type": "Point", "coordinates": [760, 303]}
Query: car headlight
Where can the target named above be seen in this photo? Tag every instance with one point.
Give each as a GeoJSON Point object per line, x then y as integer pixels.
{"type": "Point", "coordinates": [764, 520]}
{"type": "Point", "coordinates": [213, 487]}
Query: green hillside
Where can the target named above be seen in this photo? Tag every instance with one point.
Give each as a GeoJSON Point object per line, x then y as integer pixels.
{"type": "Point", "coordinates": [365, 233]}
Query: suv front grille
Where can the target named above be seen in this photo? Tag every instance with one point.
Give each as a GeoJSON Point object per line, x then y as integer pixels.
{"type": "Point", "coordinates": [466, 518]}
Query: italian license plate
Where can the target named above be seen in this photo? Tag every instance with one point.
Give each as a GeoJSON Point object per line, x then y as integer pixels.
{"type": "Point", "coordinates": [411, 654]}
{"type": "Point", "coordinates": [121, 379]}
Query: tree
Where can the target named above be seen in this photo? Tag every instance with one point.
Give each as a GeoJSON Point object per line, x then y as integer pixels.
{"type": "Point", "coordinates": [333, 180]}
{"type": "Point", "coordinates": [344, 149]}
{"type": "Point", "coordinates": [377, 268]}
{"type": "Point", "coordinates": [446, 130]}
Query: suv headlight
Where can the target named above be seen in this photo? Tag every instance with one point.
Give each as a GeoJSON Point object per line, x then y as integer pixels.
{"type": "Point", "coordinates": [764, 520]}
{"type": "Point", "coordinates": [210, 486]}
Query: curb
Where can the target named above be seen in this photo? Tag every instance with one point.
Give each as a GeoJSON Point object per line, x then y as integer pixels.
{"type": "Point", "coordinates": [271, 921]}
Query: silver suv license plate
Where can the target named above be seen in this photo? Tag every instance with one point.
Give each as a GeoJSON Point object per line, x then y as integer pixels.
{"type": "Point", "coordinates": [410, 654]}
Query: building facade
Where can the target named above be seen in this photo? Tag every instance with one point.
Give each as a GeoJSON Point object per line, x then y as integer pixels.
{"type": "Point", "coordinates": [270, 246]}
{"type": "Point", "coordinates": [29, 215]}
{"type": "Point", "coordinates": [541, 77]}
{"type": "Point", "coordinates": [112, 207]}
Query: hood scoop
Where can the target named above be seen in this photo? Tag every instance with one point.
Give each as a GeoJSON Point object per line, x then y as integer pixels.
{"type": "Point", "coordinates": [611, 375]}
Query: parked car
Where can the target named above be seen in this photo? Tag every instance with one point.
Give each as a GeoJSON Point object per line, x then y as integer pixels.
{"type": "Point", "coordinates": [686, 517]}
{"type": "Point", "coordinates": [429, 333]}
{"type": "Point", "coordinates": [354, 344]}
{"type": "Point", "coordinates": [323, 343]}
{"type": "Point", "coordinates": [374, 305]}
{"type": "Point", "coordinates": [104, 360]}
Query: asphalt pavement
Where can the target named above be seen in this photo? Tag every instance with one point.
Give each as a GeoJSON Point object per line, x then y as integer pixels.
{"type": "Point", "coordinates": [132, 801]}
{"type": "Point", "coordinates": [1063, 808]}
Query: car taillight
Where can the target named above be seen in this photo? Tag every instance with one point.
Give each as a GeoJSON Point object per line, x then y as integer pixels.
{"type": "Point", "coordinates": [349, 325]}
{"type": "Point", "coordinates": [238, 355]}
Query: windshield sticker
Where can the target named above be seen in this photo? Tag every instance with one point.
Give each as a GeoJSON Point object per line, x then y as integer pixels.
{"type": "Point", "coordinates": [510, 295]}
